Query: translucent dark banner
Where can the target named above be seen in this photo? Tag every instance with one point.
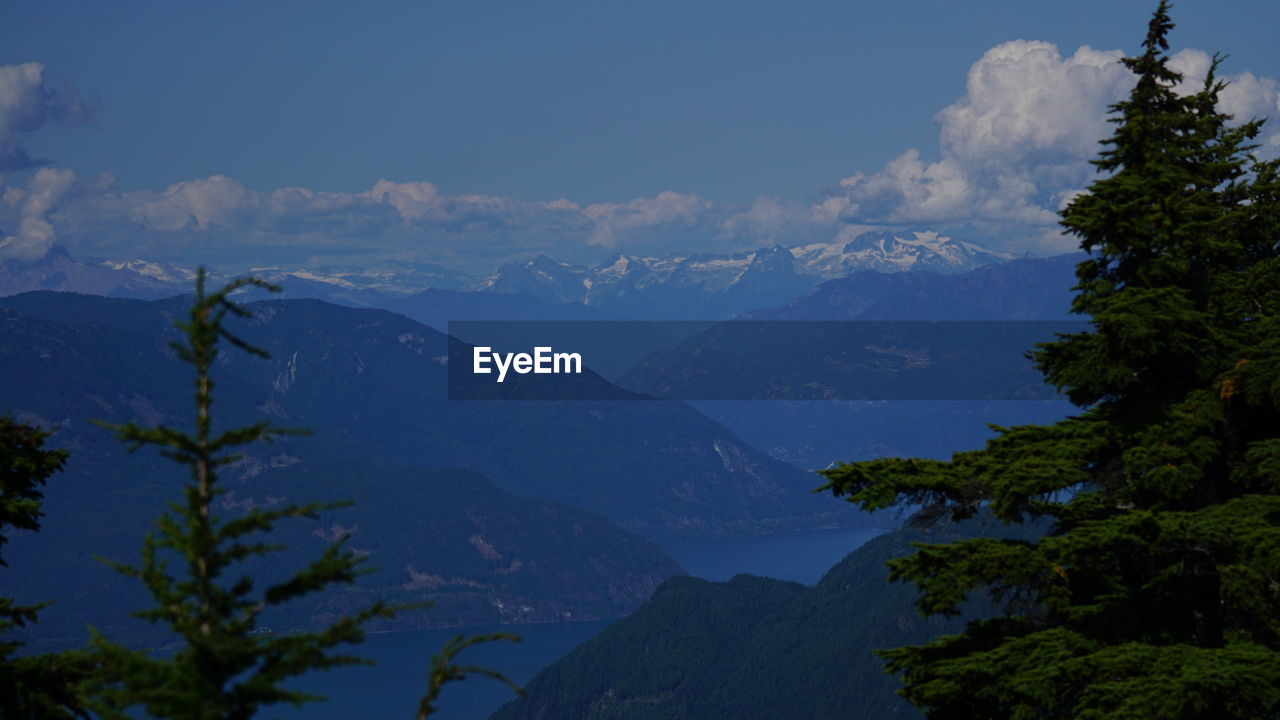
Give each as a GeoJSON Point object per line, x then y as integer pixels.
{"type": "Point", "coordinates": [749, 360]}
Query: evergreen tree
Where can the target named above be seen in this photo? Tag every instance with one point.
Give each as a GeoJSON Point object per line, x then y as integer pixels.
{"type": "Point", "coordinates": [228, 667]}
{"type": "Point", "coordinates": [1155, 593]}
{"type": "Point", "coordinates": [31, 686]}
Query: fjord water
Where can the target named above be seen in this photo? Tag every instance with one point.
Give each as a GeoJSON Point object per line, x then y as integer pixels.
{"type": "Point", "coordinates": [391, 688]}
{"type": "Point", "coordinates": [802, 556]}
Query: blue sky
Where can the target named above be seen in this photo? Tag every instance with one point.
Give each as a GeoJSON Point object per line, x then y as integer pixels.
{"type": "Point", "coordinates": [671, 120]}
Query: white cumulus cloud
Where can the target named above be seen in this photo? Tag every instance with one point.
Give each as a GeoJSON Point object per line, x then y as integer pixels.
{"type": "Point", "coordinates": [1012, 151]}
{"type": "Point", "coordinates": [1016, 146]}
{"type": "Point", "coordinates": [27, 104]}
{"type": "Point", "coordinates": [35, 233]}
{"type": "Point", "coordinates": [219, 216]}
{"type": "Point", "coordinates": [668, 210]}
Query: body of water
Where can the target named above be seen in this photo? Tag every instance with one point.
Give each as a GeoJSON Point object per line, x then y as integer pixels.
{"type": "Point", "coordinates": [803, 556]}
{"type": "Point", "coordinates": [392, 688]}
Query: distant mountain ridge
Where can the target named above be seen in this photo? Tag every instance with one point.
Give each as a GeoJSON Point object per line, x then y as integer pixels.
{"type": "Point", "coordinates": [889, 252]}
{"type": "Point", "coordinates": [150, 280]}
{"type": "Point", "coordinates": [57, 270]}
{"type": "Point", "coordinates": [723, 285]}
{"type": "Point", "coordinates": [436, 308]}
{"type": "Point", "coordinates": [1022, 289]}
{"type": "Point", "coordinates": [680, 286]}
{"type": "Point", "coordinates": [354, 286]}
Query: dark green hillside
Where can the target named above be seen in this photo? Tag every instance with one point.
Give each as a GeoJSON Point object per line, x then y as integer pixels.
{"type": "Point", "coordinates": [748, 648]}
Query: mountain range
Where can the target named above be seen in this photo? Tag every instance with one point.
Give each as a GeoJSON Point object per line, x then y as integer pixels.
{"type": "Point", "coordinates": [872, 335]}
{"type": "Point", "coordinates": [701, 286]}
{"type": "Point", "coordinates": [816, 434]}
{"type": "Point", "coordinates": [481, 554]}
{"type": "Point", "coordinates": [555, 490]}
{"type": "Point", "coordinates": [681, 286]}
{"type": "Point", "coordinates": [658, 468]}
{"type": "Point", "coordinates": [1019, 290]}
{"type": "Point", "coordinates": [57, 270]}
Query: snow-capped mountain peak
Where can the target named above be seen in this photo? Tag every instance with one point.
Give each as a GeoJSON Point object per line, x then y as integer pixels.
{"type": "Point", "coordinates": [680, 285]}
{"type": "Point", "coordinates": [886, 251]}
{"type": "Point", "coordinates": [760, 276]}
{"type": "Point", "coordinates": [164, 272]}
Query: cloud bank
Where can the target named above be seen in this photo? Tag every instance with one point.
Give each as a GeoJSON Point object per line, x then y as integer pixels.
{"type": "Point", "coordinates": [1012, 151]}
{"type": "Point", "coordinates": [218, 218]}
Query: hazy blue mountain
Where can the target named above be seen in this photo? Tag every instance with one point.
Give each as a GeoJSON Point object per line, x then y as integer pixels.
{"type": "Point", "coordinates": [393, 277]}
{"type": "Point", "coordinates": [541, 278]}
{"type": "Point", "coordinates": [360, 286]}
{"type": "Point", "coordinates": [1024, 289]}
{"type": "Point", "coordinates": [699, 287]}
{"type": "Point", "coordinates": [878, 352]}
{"type": "Point", "coordinates": [484, 555]}
{"type": "Point", "coordinates": [57, 270]}
{"type": "Point", "coordinates": [706, 286]}
{"type": "Point", "coordinates": [850, 361]}
{"type": "Point", "coordinates": [748, 648]}
{"type": "Point", "coordinates": [815, 434]}
{"type": "Point", "coordinates": [682, 286]}
{"type": "Point", "coordinates": [675, 287]}
{"type": "Point", "coordinates": [149, 279]}
{"type": "Point", "coordinates": [656, 467]}
{"type": "Point", "coordinates": [294, 287]}
{"type": "Point", "coordinates": [771, 271]}
{"type": "Point", "coordinates": [659, 468]}
{"type": "Point", "coordinates": [435, 308]}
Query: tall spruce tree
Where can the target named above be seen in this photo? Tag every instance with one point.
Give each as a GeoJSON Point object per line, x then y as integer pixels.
{"type": "Point", "coordinates": [31, 686]}
{"type": "Point", "coordinates": [228, 667]}
{"type": "Point", "coordinates": [1155, 592]}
